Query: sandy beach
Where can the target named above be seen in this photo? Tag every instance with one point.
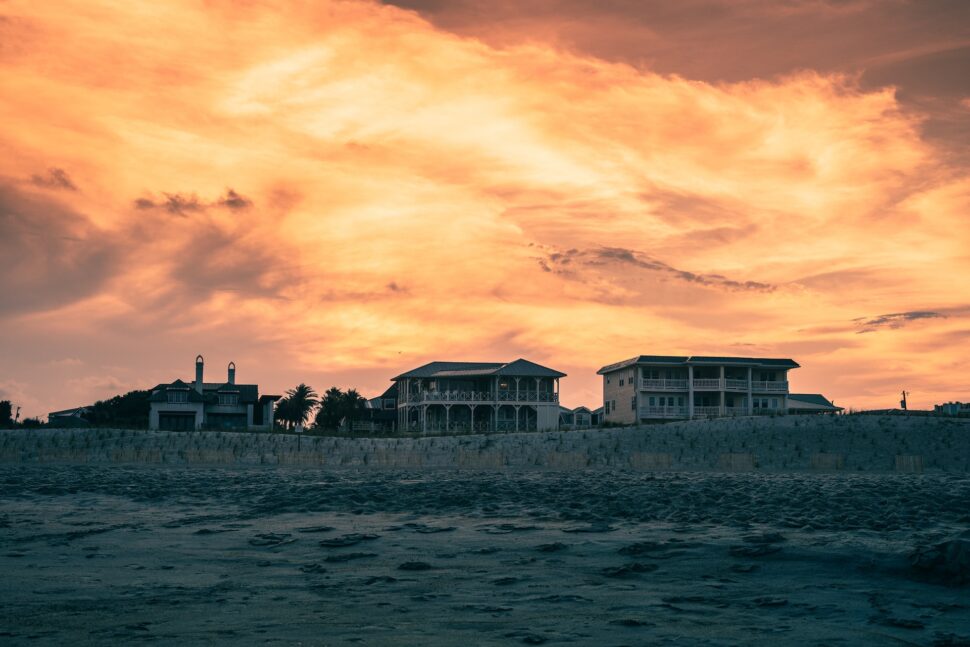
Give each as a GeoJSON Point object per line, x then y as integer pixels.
{"type": "Point", "coordinates": [585, 555]}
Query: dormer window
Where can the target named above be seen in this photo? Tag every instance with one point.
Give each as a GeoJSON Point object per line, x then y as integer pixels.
{"type": "Point", "coordinates": [229, 399]}
{"type": "Point", "coordinates": [178, 397]}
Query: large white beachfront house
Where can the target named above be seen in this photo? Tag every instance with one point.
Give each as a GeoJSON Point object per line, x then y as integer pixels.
{"type": "Point", "coordinates": [664, 387]}
{"type": "Point", "coordinates": [184, 406]}
{"type": "Point", "coordinates": [478, 396]}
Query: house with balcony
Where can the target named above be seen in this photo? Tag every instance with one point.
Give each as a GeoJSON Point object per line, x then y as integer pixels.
{"type": "Point", "coordinates": [652, 388]}
{"type": "Point", "coordinates": [476, 397]}
{"type": "Point", "coordinates": [186, 406]}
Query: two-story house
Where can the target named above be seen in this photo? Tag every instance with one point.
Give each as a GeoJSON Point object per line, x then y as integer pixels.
{"type": "Point", "coordinates": [185, 406]}
{"type": "Point", "coordinates": [664, 387]}
{"type": "Point", "coordinates": [478, 397]}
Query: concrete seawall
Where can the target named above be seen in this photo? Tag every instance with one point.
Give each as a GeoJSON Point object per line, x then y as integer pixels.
{"type": "Point", "coordinates": [831, 444]}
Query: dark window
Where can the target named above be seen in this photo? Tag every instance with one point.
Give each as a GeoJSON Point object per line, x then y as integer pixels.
{"type": "Point", "coordinates": [633, 403]}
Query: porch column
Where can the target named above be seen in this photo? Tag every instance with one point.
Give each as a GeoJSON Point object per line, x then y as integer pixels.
{"type": "Point", "coordinates": [516, 409]}
{"type": "Point", "coordinates": [537, 389]}
{"type": "Point", "coordinates": [723, 386]}
{"type": "Point", "coordinates": [750, 394]}
{"type": "Point", "coordinates": [690, 392]}
{"type": "Point", "coordinates": [495, 417]}
{"type": "Point", "coordinates": [447, 417]}
{"type": "Point", "coordinates": [516, 397]}
{"type": "Point", "coordinates": [472, 407]}
{"type": "Point", "coordinates": [424, 418]}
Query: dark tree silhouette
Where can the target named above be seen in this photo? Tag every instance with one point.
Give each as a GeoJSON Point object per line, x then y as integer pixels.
{"type": "Point", "coordinates": [129, 411]}
{"type": "Point", "coordinates": [297, 405]}
{"type": "Point", "coordinates": [6, 414]}
{"type": "Point", "coordinates": [337, 406]}
{"type": "Point", "coordinates": [353, 405]}
{"type": "Point", "coordinates": [331, 409]}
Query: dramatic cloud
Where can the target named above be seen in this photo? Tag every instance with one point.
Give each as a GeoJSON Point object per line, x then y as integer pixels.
{"type": "Point", "coordinates": [50, 256]}
{"type": "Point", "coordinates": [567, 263]}
{"type": "Point", "coordinates": [332, 192]}
{"type": "Point", "coordinates": [55, 178]}
{"type": "Point", "coordinates": [895, 320]}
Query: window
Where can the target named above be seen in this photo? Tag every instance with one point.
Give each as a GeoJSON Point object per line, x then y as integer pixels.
{"type": "Point", "coordinates": [653, 401]}
{"type": "Point", "coordinates": [633, 403]}
{"type": "Point", "coordinates": [680, 401]}
{"type": "Point", "coordinates": [621, 381]}
{"type": "Point", "coordinates": [612, 405]}
{"type": "Point", "coordinates": [607, 379]}
{"type": "Point", "coordinates": [229, 399]}
{"type": "Point", "coordinates": [606, 407]}
{"type": "Point", "coordinates": [178, 397]}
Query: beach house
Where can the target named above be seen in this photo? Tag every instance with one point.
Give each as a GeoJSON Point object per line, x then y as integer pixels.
{"type": "Point", "coordinates": [185, 406]}
{"type": "Point", "coordinates": [465, 397]}
{"type": "Point", "coordinates": [666, 387]}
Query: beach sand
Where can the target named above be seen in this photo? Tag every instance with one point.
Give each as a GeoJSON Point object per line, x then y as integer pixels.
{"type": "Point", "coordinates": [741, 554]}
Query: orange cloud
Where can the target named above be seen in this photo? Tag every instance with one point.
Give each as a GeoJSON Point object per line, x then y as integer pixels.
{"type": "Point", "coordinates": [344, 190]}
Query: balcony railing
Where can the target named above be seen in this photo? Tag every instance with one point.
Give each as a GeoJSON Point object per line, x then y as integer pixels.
{"type": "Point", "coordinates": [483, 396]}
{"type": "Point", "coordinates": [672, 384]}
{"type": "Point", "coordinates": [451, 396]}
{"type": "Point", "coordinates": [707, 383]}
{"type": "Point", "coordinates": [769, 386]}
{"type": "Point", "coordinates": [527, 396]}
{"type": "Point", "coordinates": [663, 412]}
{"type": "Point", "coordinates": [731, 384]}
{"type": "Point", "coordinates": [761, 411]}
{"type": "Point", "coordinates": [707, 412]}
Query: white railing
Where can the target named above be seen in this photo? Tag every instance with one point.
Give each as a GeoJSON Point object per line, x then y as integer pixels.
{"type": "Point", "coordinates": [707, 383]}
{"type": "Point", "coordinates": [769, 386]}
{"type": "Point", "coordinates": [707, 412]}
{"type": "Point", "coordinates": [663, 412]}
{"type": "Point", "coordinates": [733, 384]}
{"type": "Point", "coordinates": [527, 396]}
{"type": "Point", "coordinates": [764, 411]}
{"type": "Point", "coordinates": [451, 396]}
{"type": "Point", "coordinates": [672, 384]}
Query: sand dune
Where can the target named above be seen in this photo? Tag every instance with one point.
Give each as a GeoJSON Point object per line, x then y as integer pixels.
{"type": "Point", "coordinates": [844, 443]}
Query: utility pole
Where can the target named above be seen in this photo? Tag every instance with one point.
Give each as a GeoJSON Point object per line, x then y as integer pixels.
{"type": "Point", "coordinates": [902, 402]}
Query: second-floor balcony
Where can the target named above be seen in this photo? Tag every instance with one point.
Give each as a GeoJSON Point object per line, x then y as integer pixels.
{"type": "Point", "coordinates": [770, 386]}
{"type": "Point", "coordinates": [483, 396]}
{"type": "Point", "coordinates": [663, 384]}
{"type": "Point", "coordinates": [715, 384]}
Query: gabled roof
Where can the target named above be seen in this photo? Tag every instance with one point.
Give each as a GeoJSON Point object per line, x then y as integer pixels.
{"type": "Point", "coordinates": [76, 412]}
{"type": "Point", "coordinates": [519, 367]}
{"type": "Point", "coordinates": [816, 399]}
{"type": "Point", "coordinates": [582, 409]}
{"type": "Point", "coordinates": [248, 393]}
{"type": "Point", "coordinates": [698, 360]}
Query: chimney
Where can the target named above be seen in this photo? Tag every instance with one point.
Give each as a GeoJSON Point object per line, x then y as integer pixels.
{"type": "Point", "coordinates": [198, 373]}
{"type": "Point", "coordinates": [232, 372]}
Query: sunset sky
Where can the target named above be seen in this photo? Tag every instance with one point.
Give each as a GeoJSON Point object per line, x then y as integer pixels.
{"type": "Point", "coordinates": [334, 192]}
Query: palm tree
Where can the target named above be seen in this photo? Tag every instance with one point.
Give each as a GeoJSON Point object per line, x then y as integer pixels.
{"type": "Point", "coordinates": [353, 404]}
{"type": "Point", "coordinates": [302, 399]}
{"type": "Point", "coordinates": [285, 413]}
{"type": "Point", "coordinates": [330, 412]}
